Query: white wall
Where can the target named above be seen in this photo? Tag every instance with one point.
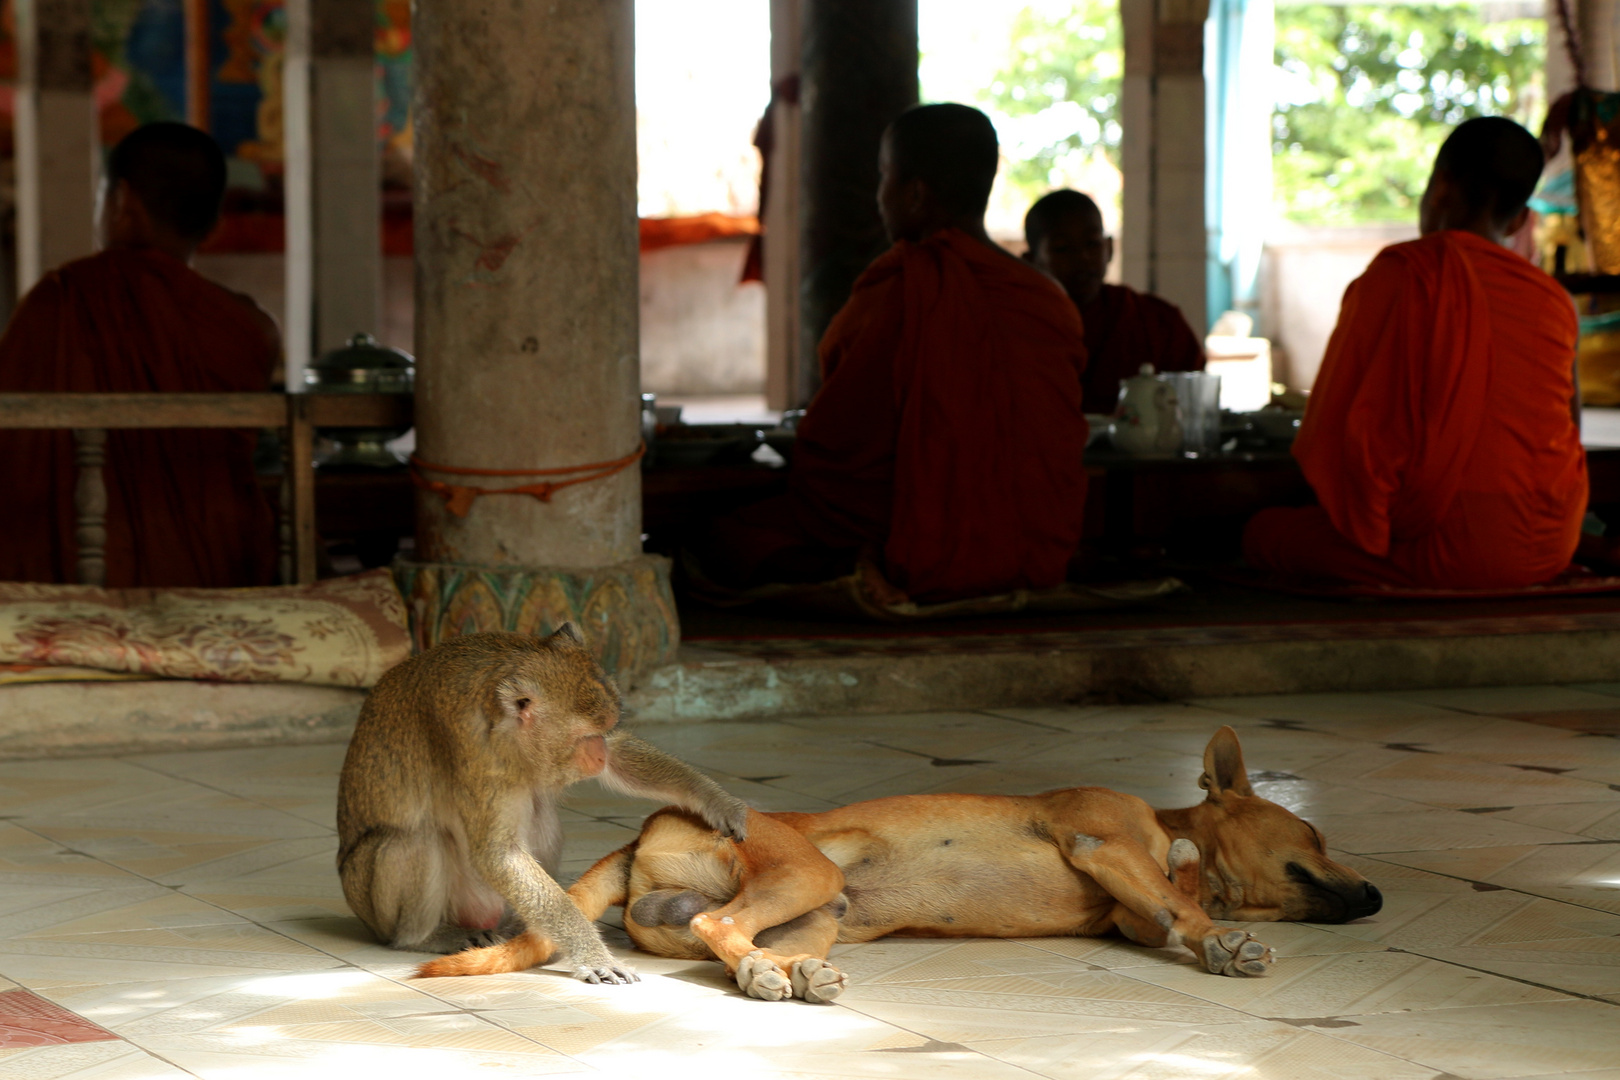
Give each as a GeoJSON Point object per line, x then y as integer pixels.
{"type": "Point", "coordinates": [263, 277]}
{"type": "Point", "coordinates": [702, 333]}
{"type": "Point", "coordinates": [1305, 272]}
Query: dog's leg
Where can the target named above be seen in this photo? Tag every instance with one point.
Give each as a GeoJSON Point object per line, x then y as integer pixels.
{"type": "Point", "coordinates": [1157, 911]}
{"type": "Point", "coordinates": [800, 948]}
{"type": "Point", "coordinates": [784, 877]}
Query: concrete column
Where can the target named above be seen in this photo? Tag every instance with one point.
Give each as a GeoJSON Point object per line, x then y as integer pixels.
{"type": "Point", "coordinates": [859, 72]}
{"type": "Point", "coordinates": [199, 64]}
{"type": "Point", "coordinates": [1599, 22]}
{"type": "Point", "coordinates": [58, 149]}
{"type": "Point", "coordinates": [781, 219]}
{"type": "Point", "coordinates": [333, 177]}
{"type": "Point", "coordinates": [1162, 113]}
{"type": "Point", "coordinates": [526, 323]}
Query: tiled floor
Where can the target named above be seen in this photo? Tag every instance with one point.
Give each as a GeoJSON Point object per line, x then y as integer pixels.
{"type": "Point", "coordinates": [166, 915]}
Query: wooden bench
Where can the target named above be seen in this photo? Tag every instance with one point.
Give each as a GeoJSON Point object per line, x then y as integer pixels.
{"type": "Point", "coordinates": [90, 416]}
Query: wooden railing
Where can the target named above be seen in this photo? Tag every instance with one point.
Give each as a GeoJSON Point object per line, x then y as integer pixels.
{"type": "Point", "coordinates": [89, 416]}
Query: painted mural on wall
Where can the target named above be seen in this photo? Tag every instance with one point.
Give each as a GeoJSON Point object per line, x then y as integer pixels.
{"type": "Point", "coordinates": [139, 68]}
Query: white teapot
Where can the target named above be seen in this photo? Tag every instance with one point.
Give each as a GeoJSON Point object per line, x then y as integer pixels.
{"type": "Point", "coordinates": [1148, 419]}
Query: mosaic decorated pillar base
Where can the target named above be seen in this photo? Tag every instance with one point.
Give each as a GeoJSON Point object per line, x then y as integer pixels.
{"type": "Point", "coordinates": [626, 611]}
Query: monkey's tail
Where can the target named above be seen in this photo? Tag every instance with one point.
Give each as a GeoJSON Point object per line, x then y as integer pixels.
{"type": "Point", "coordinates": [521, 953]}
{"type": "Point", "coordinates": [604, 885]}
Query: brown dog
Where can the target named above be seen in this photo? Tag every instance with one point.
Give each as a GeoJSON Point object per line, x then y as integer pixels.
{"type": "Point", "coordinates": [1080, 861]}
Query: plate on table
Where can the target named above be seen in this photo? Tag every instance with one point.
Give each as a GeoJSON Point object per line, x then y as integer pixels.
{"type": "Point", "coordinates": [782, 441]}
{"type": "Point", "coordinates": [688, 445]}
{"type": "Point", "coordinates": [1277, 425]}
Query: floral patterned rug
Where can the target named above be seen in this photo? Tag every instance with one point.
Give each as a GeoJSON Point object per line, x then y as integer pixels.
{"type": "Point", "coordinates": [340, 632]}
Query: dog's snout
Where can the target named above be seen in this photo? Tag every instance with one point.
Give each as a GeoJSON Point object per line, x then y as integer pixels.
{"type": "Point", "coordinates": [1360, 902]}
{"type": "Point", "coordinates": [1372, 902]}
{"type": "Point", "coordinates": [1337, 901]}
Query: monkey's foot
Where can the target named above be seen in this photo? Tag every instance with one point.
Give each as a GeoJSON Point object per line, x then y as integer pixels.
{"type": "Point", "coordinates": [817, 981]}
{"type": "Point", "coordinates": [1236, 952]}
{"type": "Point", "coordinates": [611, 972]}
{"type": "Point", "coordinates": [762, 978]}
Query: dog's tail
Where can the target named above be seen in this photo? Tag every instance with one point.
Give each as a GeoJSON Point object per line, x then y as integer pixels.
{"type": "Point", "coordinates": [605, 885]}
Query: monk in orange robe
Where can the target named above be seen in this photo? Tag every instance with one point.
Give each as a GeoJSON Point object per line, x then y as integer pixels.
{"type": "Point", "coordinates": [183, 506]}
{"type": "Point", "coordinates": [1443, 434]}
{"type": "Point", "coordinates": [1124, 328]}
{"type": "Point", "coordinates": [947, 437]}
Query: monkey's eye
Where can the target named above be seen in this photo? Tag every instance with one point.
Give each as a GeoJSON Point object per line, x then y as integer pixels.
{"type": "Point", "coordinates": [521, 703]}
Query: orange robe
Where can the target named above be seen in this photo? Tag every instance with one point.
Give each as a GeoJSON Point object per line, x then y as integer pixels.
{"type": "Point", "coordinates": [184, 508]}
{"type": "Point", "coordinates": [948, 433]}
{"type": "Point", "coordinates": [1439, 437]}
{"type": "Point", "coordinates": [1126, 329]}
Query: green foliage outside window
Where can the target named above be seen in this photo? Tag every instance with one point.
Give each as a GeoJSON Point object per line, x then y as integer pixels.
{"type": "Point", "coordinates": [1061, 88]}
{"type": "Point", "coordinates": [1367, 94]}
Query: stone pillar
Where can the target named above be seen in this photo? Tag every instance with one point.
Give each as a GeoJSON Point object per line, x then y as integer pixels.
{"type": "Point", "coordinates": [58, 149]}
{"type": "Point", "coordinates": [199, 64]}
{"type": "Point", "coordinates": [1162, 114]}
{"type": "Point", "coordinates": [781, 217]}
{"type": "Point", "coordinates": [526, 325]}
{"type": "Point", "coordinates": [859, 72]}
{"type": "Point", "coordinates": [1597, 22]}
{"type": "Point", "coordinates": [333, 177]}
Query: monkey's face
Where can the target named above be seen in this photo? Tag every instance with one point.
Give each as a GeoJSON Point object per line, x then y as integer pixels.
{"type": "Point", "coordinates": [558, 712]}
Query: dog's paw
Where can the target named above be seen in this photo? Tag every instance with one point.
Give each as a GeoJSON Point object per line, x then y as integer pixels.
{"type": "Point", "coordinates": [817, 981]}
{"type": "Point", "coordinates": [1236, 952]}
{"type": "Point", "coordinates": [762, 978]}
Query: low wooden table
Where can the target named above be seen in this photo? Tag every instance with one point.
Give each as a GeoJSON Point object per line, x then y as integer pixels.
{"type": "Point", "coordinates": [1135, 498]}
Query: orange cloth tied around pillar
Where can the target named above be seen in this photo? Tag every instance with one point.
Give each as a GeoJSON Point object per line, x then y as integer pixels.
{"type": "Point", "coordinates": [184, 508]}
{"type": "Point", "coordinates": [1439, 437]}
{"type": "Point", "coordinates": [459, 498]}
{"type": "Point", "coordinates": [948, 432]}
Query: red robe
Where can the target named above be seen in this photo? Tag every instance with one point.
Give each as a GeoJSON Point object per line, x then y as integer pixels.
{"type": "Point", "coordinates": [1439, 437]}
{"type": "Point", "coordinates": [948, 434]}
{"type": "Point", "coordinates": [184, 508]}
{"type": "Point", "coordinates": [1126, 329]}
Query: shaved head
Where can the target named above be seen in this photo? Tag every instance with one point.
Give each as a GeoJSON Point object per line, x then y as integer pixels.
{"type": "Point", "coordinates": [176, 172]}
{"type": "Point", "coordinates": [1494, 165]}
{"type": "Point", "coordinates": [952, 149]}
{"type": "Point", "coordinates": [1056, 207]}
{"type": "Point", "coordinates": [1064, 230]}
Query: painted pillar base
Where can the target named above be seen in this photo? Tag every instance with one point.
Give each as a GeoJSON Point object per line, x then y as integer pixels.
{"type": "Point", "coordinates": [626, 611]}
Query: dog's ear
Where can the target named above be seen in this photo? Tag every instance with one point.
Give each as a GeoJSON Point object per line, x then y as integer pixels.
{"type": "Point", "coordinates": [1223, 766]}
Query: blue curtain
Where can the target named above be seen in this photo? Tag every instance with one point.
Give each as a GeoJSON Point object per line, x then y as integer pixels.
{"type": "Point", "coordinates": [1239, 44]}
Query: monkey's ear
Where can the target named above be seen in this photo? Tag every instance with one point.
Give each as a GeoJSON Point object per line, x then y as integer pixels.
{"type": "Point", "coordinates": [568, 632]}
{"type": "Point", "coordinates": [524, 707]}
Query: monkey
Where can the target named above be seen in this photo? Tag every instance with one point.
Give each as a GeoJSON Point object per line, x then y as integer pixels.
{"type": "Point", "coordinates": [447, 804]}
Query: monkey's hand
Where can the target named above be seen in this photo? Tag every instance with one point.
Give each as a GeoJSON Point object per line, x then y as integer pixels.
{"type": "Point", "coordinates": [727, 815]}
{"type": "Point", "coordinates": [609, 971]}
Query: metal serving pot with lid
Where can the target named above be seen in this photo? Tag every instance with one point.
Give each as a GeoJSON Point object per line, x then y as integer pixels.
{"type": "Point", "coordinates": [363, 366]}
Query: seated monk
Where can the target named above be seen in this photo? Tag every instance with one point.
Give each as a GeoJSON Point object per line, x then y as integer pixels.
{"type": "Point", "coordinates": [183, 505]}
{"type": "Point", "coordinates": [946, 439]}
{"type": "Point", "coordinates": [1443, 435]}
{"type": "Point", "coordinates": [1124, 328]}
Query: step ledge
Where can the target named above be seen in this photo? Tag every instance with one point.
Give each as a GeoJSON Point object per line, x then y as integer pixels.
{"type": "Point", "coordinates": [63, 719]}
